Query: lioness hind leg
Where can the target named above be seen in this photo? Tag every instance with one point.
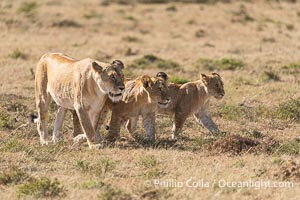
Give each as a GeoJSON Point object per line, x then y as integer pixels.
{"type": "Point", "coordinates": [42, 104]}
{"type": "Point", "coordinates": [149, 125]}
{"type": "Point", "coordinates": [56, 137]}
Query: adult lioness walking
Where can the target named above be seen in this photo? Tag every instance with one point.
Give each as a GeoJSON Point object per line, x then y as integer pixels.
{"type": "Point", "coordinates": [81, 85]}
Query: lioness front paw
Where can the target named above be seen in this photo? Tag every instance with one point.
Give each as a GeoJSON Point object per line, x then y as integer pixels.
{"type": "Point", "coordinates": [44, 142]}
{"type": "Point", "coordinates": [79, 139]}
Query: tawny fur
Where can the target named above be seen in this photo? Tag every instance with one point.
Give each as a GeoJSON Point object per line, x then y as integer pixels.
{"type": "Point", "coordinates": [192, 98]}
{"type": "Point", "coordinates": [80, 85]}
{"type": "Point", "coordinates": [141, 97]}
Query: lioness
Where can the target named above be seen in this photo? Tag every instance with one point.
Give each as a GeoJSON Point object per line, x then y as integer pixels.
{"type": "Point", "coordinates": [192, 98]}
{"type": "Point", "coordinates": [80, 85]}
{"type": "Point", "coordinates": [141, 97]}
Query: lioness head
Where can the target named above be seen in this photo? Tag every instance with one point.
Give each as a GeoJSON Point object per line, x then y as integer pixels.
{"type": "Point", "coordinates": [110, 79]}
{"type": "Point", "coordinates": [214, 84]}
{"type": "Point", "coordinates": [158, 89]}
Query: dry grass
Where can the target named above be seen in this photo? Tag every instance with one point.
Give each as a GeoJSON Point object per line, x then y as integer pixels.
{"type": "Point", "coordinates": [251, 44]}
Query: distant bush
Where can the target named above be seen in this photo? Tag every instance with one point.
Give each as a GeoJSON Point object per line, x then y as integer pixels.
{"type": "Point", "coordinates": [150, 61]}
{"type": "Point", "coordinates": [178, 80]}
{"type": "Point", "coordinates": [222, 64]}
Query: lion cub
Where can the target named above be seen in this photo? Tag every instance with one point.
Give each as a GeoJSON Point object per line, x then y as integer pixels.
{"type": "Point", "coordinates": [192, 98]}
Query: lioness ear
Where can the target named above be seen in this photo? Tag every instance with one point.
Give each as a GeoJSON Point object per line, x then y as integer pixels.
{"type": "Point", "coordinates": [97, 67]}
{"type": "Point", "coordinates": [118, 64]}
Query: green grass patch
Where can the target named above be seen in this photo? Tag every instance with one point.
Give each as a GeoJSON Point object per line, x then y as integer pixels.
{"type": "Point", "coordinates": [6, 122]}
{"type": "Point", "coordinates": [128, 2]}
{"type": "Point", "coordinates": [88, 185]}
{"type": "Point", "coordinates": [130, 18]}
{"type": "Point", "coordinates": [150, 167]}
{"type": "Point", "coordinates": [43, 187]}
{"type": "Point", "coordinates": [131, 39]}
{"type": "Point", "coordinates": [111, 193]}
{"type": "Point", "coordinates": [242, 16]}
{"type": "Point", "coordinates": [13, 144]}
{"type": "Point", "coordinates": [289, 110]}
{"type": "Point", "coordinates": [237, 112]}
{"type": "Point", "coordinates": [268, 39]}
{"type": "Point", "coordinates": [92, 15]}
{"type": "Point", "coordinates": [270, 76]}
{"type": "Point", "coordinates": [152, 61]}
{"type": "Point", "coordinates": [105, 165]}
{"type": "Point", "coordinates": [240, 163]}
{"type": "Point", "coordinates": [222, 64]}
{"type": "Point", "coordinates": [108, 192]}
{"type": "Point", "coordinates": [13, 176]}
{"type": "Point", "coordinates": [292, 68]}
{"type": "Point", "coordinates": [171, 8]}
{"type": "Point", "coordinates": [289, 148]}
{"type": "Point", "coordinates": [28, 7]}
{"type": "Point", "coordinates": [17, 54]}
{"type": "Point", "coordinates": [178, 80]}
{"type": "Point", "coordinates": [232, 112]}
{"type": "Point", "coordinates": [67, 24]}
{"type": "Point", "coordinates": [100, 169]}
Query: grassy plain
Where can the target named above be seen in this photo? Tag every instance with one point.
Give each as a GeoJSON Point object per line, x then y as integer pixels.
{"type": "Point", "coordinates": [254, 45]}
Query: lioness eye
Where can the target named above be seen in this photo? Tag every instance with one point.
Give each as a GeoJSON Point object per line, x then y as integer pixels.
{"type": "Point", "coordinates": [113, 77]}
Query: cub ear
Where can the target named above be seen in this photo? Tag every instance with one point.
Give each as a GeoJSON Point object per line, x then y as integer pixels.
{"type": "Point", "coordinates": [215, 74]}
{"type": "Point", "coordinates": [97, 67]}
{"type": "Point", "coordinates": [162, 75]}
{"type": "Point", "coordinates": [118, 64]}
{"type": "Point", "coordinates": [203, 76]}
{"type": "Point", "coordinates": [147, 82]}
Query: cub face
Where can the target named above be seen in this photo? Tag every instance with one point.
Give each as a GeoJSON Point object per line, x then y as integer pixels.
{"type": "Point", "coordinates": [160, 89]}
{"type": "Point", "coordinates": [110, 80]}
{"type": "Point", "coordinates": [215, 85]}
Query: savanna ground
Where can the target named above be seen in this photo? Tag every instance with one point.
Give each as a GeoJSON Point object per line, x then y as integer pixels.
{"type": "Point", "coordinates": [253, 45]}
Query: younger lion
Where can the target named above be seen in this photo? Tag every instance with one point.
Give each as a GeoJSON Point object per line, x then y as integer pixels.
{"type": "Point", "coordinates": [80, 85]}
{"type": "Point", "coordinates": [141, 97]}
{"type": "Point", "coordinates": [192, 98]}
